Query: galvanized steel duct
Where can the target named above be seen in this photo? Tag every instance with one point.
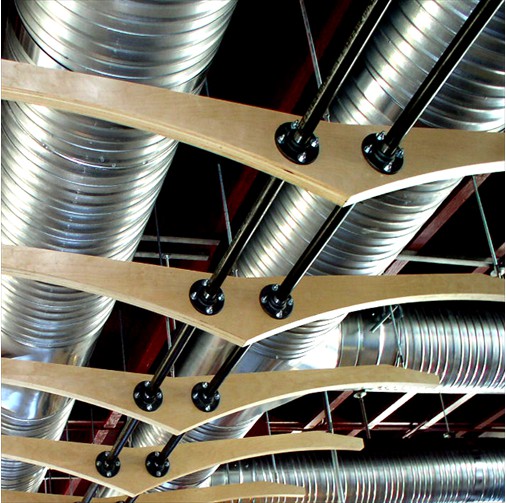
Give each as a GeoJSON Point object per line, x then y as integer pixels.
{"type": "Point", "coordinates": [463, 343]}
{"type": "Point", "coordinates": [447, 473]}
{"type": "Point", "coordinates": [77, 184]}
{"type": "Point", "coordinates": [377, 229]}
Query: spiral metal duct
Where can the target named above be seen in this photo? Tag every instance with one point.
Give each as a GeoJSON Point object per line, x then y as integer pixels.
{"type": "Point", "coordinates": [72, 183]}
{"type": "Point", "coordinates": [463, 346]}
{"type": "Point", "coordinates": [378, 229]}
{"type": "Point", "coordinates": [383, 474]}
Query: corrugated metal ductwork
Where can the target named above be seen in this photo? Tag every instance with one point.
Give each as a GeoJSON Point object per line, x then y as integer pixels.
{"type": "Point", "coordinates": [462, 344]}
{"type": "Point", "coordinates": [378, 229]}
{"type": "Point", "coordinates": [449, 473]}
{"type": "Point", "coordinates": [77, 184]}
{"type": "Point", "coordinates": [87, 186]}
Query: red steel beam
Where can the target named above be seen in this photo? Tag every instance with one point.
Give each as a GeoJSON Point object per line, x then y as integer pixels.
{"type": "Point", "coordinates": [319, 418]}
{"type": "Point", "coordinates": [499, 253]}
{"type": "Point", "coordinates": [142, 358]}
{"type": "Point", "coordinates": [484, 424]}
{"type": "Point", "coordinates": [386, 413]}
{"type": "Point", "coordinates": [454, 202]}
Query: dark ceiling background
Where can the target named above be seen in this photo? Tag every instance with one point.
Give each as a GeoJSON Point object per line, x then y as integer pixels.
{"type": "Point", "coordinates": [264, 61]}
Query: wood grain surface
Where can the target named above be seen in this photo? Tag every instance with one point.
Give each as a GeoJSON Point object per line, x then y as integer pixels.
{"type": "Point", "coordinates": [216, 494]}
{"type": "Point", "coordinates": [113, 389]}
{"type": "Point", "coordinates": [79, 459]}
{"type": "Point", "coordinates": [246, 134]}
{"type": "Point", "coordinates": [165, 291]}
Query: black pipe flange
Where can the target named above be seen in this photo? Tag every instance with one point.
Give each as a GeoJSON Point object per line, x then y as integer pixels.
{"type": "Point", "coordinates": [202, 301]}
{"type": "Point", "coordinates": [157, 465]}
{"type": "Point", "coordinates": [202, 399]}
{"type": "Point", "coordinates": [273, 305]}
{"type": "Point", "coordinates": [380, 156]}
{"type": "Point", "coordinates": [145, 398]}
{"type": "Point", "coordinates": [303, 152]}
{"type": "Point", "coordinates": [106, 466]}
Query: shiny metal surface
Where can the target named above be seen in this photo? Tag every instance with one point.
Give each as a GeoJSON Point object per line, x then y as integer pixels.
{"type": "Point", "coordinates": [403, 51]}
{"type": "Point", "coordinates": [167, 44]}
{"type": "Point", "coordinates": [386, 474]}
{"type": "Point", "coordinates": [77, 184]}
{"type": "Point", "coordinates": [462, 344]}
{"type": "Point", "coordinates": [378, 229]}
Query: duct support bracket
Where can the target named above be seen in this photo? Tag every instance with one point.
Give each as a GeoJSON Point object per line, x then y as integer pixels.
{"type": "Point", "coordinates": [273, 304]}
{"type": "Point", "coordinates": [156, 464]}
{"type": "Point", "coordinates": [294, 146]}
{"type": "Point", "coordinates": [203, 399]}
{"type": "Point", "coordinates": [146, 397]}
{"type": "Point", "coordinates": [205, 395]}
{"type": "Point", "coordinates": [107, 465]}
{"type": "Point", "coordinates": [380, 155]}
{"type": "Point", "coordinates": [203, 301]}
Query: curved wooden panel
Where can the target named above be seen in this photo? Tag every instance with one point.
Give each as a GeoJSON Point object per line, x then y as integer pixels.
{"type": "Point", "coordinates": [246, 134]}
{"type": "Point", "coordinates": [165, 291]}
{"type": "Point", "coordinates": [113, 390]}
{"type": "Point", "coordinates": [79, 459]}
{"type": "Point", "coordinates": [200, 495]}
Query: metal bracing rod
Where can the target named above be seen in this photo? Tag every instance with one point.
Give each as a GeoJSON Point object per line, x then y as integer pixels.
{"type": "Point", "coordinates": [244, 234]}
{"type": "Point", "coordinates": [297, 141]}
{"type": "Point", "coordinates": [388, 314]}
{"type": "Point", "coordinates": [171, 445]}
{"type": "Point", "coordinates": [185, 334]}
{"type": "Point", "coordinates": [485, 227]}
{"type": "Point", "coordinates": [206, 295]}
{"type": "Point", "coordinates": [328, 412]}
{"type": "Point", "coordinates": [226, 213]}
{"type": "Point", "coordinates": [448, 433]}
{"type": "Point", "coordinates": [360, 395]}
{"type": "Point", "coordinates": [123, 437]}
{"type": "Point", "coordinates": [90, 493]}
{"type": "Point", "coordinates": [383, 151]}
{"type": "Point", "coordinates": [400, 355]}
{"type": "Point", "coordinates": [205, 395]}
{"type": "Point", "coordinates": [147, 394]}
{"type": "Point", "coordinates": [108, 463]}
{"type": "Point", "coordinates": [157, 462]}
{"type": "Point", "coordinates": [311, 45]}
{"type": "Point", "coordinates": [341, 69]}
{"type": "Point", "coordinates": [333, 453]}
{"type": "Point", "coordinates": [276, 300]}
{"type": "Point", "coordinates": [451, 57]}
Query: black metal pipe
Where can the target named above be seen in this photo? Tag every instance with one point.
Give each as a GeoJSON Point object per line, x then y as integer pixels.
{"type": "Point", "coordinates": [329, 228]}
{"type": "Point", "coordinates": [205, 395]}
{"type": "Point", "coordinates": [383, 152]}
{"type": "Point", "coordinates": [358, 40]}
{"type": "Point", "coordinates": [250, 224]}
{"type": "Point", "coordinates": [157, 462]}
{"type": "Point", "coordinates": [297, 141]}
{"type": "Point", "coordinates": [227, 367]}
{"type": "Point", "coordinates": [123, 437]}
{"type": "Point", "coordinates": [185, 334]}
{"type": "Point", "coordinates": [276, 300]}
{"type": "Point", "coordinates": [171, 445]}
{"type": "Point", "coordinates": [206, 295]}
{"type": "Point", "coordinates": [90, 493]}
{"type": "Point", "coordinates": [445, 65]}
{"type": "Point", "coordinates": [147, 394]}
{"type": "Point", "coordinates": [108, 463]}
